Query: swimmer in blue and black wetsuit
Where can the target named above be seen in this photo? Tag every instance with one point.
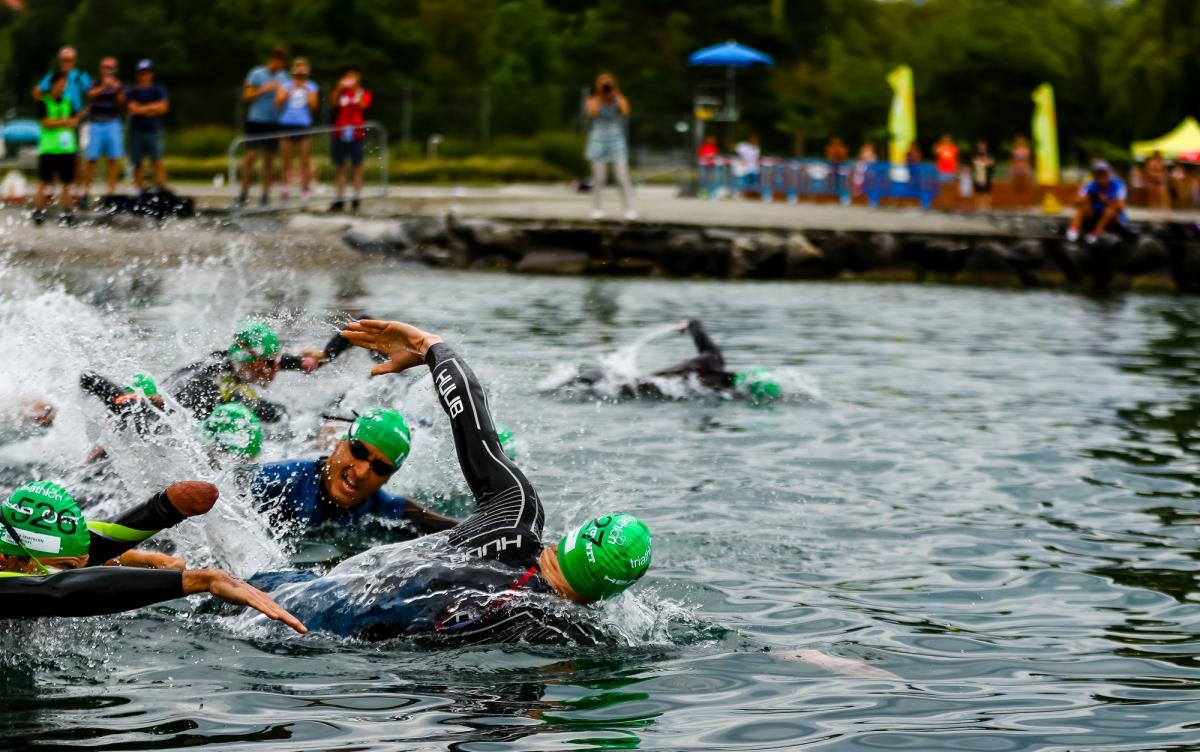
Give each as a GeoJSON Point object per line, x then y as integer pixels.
{"type": "Point", "coordinates": [347, 486]}
{"type": "Point", "coordinates": [491, 578]}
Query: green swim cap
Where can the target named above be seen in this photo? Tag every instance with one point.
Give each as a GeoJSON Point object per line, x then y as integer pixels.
{"type": "Point", "coordinates": [605, 555]}
{"type": "Point", "coordinates": [758, 383]}
{"type": "Point", "coordinates": [234, 428]}
{"type": "Point", "coordinates": [47, 521]}
{"type": "Point", "coordinates": [144, 384]}
{"type": "Point", "coordinates": [385, 430]}
{"type": "Point", "coordinates": [254, 340]}
{"type": "Point", "coordinates": [505, 434]}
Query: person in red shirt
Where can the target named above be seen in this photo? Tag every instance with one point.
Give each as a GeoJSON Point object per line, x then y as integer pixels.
{"type": "Point", "coordinates": [349, 101]}
{"type": "Point", "coordinates": [709, 151]}
{"type": "Point", "coordinates": [946, 153]}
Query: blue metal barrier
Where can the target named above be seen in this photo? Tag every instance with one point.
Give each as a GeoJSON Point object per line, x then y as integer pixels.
{"type": "Point", "coordinates": [794, 179]}
{"type": "Point", "coordinates": [916, 181]}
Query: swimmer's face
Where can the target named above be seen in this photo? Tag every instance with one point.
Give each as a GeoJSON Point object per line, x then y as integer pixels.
{"type": "Point", "coordinates": [24, 565]}
{"type": "Point", "coordinates": [260, 371]}
{"type": "Point", "coordinates": [349, 480]}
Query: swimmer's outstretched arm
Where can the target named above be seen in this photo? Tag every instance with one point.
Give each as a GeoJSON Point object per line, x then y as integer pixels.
{"type": "Point", "coordinates": [110, 590]}
{"type": "Point", "coordinates": [503, 494]}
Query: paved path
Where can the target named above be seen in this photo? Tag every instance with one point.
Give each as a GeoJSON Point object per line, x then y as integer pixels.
{"type": "Point", "coordinates": [660, 204]}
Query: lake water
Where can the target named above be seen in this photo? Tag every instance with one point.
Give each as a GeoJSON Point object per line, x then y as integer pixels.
{"type": "Point", "coordinates": [988, 499]}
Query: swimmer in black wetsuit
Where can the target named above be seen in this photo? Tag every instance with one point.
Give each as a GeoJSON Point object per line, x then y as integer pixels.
{"type": "Point", "coordinates": [252, 360]}
{"type": "Point", "coordinates": [707, 369]}
{"type": "Point", "coordinates": [50, 557]}
{"type": "Point", "coordinates": [489, 579]}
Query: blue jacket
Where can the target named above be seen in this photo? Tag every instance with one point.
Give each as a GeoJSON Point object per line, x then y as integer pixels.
{"type": "Point", "coordinates": [294, 487]}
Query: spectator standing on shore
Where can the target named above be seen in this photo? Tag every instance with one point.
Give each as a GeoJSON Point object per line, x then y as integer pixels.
{"type": "Point", "coordinates": [983, 167]}
{"type": "Point", "coordinates": [837, 155]}
{"type": "Point", "coordinates": [350, 100]}
{"type": "Point", "coordinates": [57, 147]}
{"type": "Point", "coordinates": [147, 103]}
{"type": "Point", "coordinates": [1022, 171]}
{"type": "Point", "coordinates": [297, 101]}
{"type": "Point", "coordinates": [262, 117]}
{"type": "Point", "coordinates": [106, 137]}
{"type": "Point", "coordinates": [708, 151]}
{"type": "Point", "coordinates": [866, 157]}
{"type": "Point", "coordinates": [78, 82]}
{"type": "Point", "coordinates": [608, 109]}
{"type": "Point", "coordinates": [1157, 194]}
{"type": "Point", "coordinates": [913, 155]}
{"type": "Point", "coordinates": [945, 153]}
{"type": "Point", "coordinates": [748, 167]}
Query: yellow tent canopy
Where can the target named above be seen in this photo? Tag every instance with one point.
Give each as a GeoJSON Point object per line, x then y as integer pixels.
{"type": "Point", "coordinates": [1185, 139]}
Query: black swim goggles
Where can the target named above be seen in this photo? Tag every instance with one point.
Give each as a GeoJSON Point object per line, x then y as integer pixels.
{"type": "Point", "coordinates": [360, 451]}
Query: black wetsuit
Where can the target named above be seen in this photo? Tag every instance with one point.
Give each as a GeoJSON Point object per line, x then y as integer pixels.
{"type": "Point", "coordinates": [708, 368]}
{"type": "Point", "coordinates": [203, 385]}
{"type": "Point", "coordinates": [477, 582]}
{"type": "Point", "coordinates": [97, 589]}
{"type": "Point", "coordinates": [130, 410]}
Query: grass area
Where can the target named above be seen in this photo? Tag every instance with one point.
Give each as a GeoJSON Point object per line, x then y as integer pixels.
{"type": "Point", "coordinates": [199, 153]}
{"type": "Point", "coordinates": [478, 169]}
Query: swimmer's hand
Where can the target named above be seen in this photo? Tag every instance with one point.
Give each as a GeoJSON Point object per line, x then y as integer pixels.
{"type": "Point", "coordinates": [311, 359]}
{"type": "Point", "coordinates": [404, 344]}
{"type": "Point", "coordinates": [192, 497]}
{"type": "Point", "coordinates": [681, 325]}
{"type": "Point", "coordinates": [150, 560]}
{"type": "Point", "coordinates": [229, 588]}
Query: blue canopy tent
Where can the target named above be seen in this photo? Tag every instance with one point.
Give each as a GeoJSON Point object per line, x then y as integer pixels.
{"type": "Point", "coordinates": [730, 56]}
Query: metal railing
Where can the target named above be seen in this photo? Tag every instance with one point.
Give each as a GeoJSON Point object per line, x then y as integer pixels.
{"type": "Point", "coordinates": [795, 179]}
{"type": "Point", "coordinates": [370, 126]}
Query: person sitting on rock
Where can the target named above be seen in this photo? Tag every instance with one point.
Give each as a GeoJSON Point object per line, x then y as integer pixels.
{"type": "Point", "coordinates": [1100, 206]}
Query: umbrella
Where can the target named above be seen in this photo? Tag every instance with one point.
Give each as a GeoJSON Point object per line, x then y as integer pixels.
{"type": "Point", "coordinates": [729, 56]}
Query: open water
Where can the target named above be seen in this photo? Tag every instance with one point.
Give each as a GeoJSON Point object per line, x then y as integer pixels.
{"type": "Point", "coordinates": [984, 502]}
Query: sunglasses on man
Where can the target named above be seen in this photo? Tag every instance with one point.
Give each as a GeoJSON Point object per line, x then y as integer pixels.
{"type": "Point", "coordinates": [360, 451]}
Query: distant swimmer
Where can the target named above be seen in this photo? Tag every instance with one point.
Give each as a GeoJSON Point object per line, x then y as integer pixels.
{"type": "Point", "coordinates": [252, 359]}
{"type": "Point", "coordinates": [707, 371]}
{"type": "Point", "coordinates": [489, 579]}
{"type": "Point", "coordinates": [51, 557]}
{"type": "Point", "coordinates": [347, 485]}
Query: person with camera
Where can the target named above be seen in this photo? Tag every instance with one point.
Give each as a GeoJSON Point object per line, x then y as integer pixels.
{"type": "Point", "coordinates": [350, 100]}
{"type": "Point", "coordinates": [609, 109]}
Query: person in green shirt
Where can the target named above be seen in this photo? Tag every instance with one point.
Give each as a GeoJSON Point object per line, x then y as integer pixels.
{"type": "Point", "coordinates": [57, 148]}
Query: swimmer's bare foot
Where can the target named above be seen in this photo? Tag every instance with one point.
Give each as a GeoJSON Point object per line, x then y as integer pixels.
{"type": "Point", "coordinates": [404, 344]}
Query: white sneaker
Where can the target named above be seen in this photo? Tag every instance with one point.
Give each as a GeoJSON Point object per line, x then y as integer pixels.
{"type": "Point", "coordinates": [630, 214]}
{"type": "Point", "coordinates": [1072, 234]}
{"type": "Point", "coordinates": [597, 214]}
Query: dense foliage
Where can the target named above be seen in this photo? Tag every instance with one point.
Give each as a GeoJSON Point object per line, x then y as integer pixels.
{"type": "Point", "coordinates": [482, 69]}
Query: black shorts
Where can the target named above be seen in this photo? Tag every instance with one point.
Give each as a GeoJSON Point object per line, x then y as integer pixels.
{"type": "Point", "coordinates": [56, 166]}
{"type": "Point", "coordinates": [257, 129]}
{"type": "Point", "coordinates": [340, 151]}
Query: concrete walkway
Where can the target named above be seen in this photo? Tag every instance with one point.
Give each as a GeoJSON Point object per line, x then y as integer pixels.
{"type": "Point", "coordinates": [661, 204]}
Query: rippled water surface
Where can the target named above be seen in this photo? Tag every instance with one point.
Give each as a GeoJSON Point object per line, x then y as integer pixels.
{"type": "Point", "coordinates": [991, 496]}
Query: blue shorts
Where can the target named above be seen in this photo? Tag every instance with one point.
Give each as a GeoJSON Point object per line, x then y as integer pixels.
{"type": "Point", "coordinates": [105, 140]}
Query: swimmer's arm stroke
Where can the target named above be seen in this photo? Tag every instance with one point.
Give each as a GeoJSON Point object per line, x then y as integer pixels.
{"type": "Point", "coordinates": [110, 590]}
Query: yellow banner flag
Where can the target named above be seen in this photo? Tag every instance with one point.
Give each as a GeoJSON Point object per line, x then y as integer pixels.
{"type": "Point", "coordinates": [1045, 135]}
{"type": "Point", "coordinates": [902, 118]}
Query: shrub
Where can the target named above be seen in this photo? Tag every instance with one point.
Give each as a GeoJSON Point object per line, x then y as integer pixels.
{"type": "Point", "coordinates": [200, 141]}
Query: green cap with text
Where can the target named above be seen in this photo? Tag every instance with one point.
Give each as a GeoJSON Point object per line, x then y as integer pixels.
{"type": "Point", "coordinates": [605, 555]}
